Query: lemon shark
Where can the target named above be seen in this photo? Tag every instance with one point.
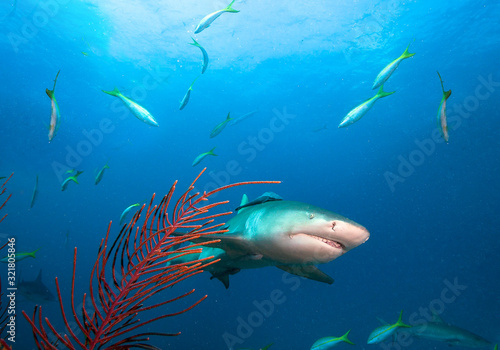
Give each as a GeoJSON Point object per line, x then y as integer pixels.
{"type": "Point", "coordinates": [269, 231]}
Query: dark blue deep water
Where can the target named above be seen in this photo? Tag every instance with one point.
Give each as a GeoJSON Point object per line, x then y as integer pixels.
{"type": "Point", "coordinates": [431, 207]}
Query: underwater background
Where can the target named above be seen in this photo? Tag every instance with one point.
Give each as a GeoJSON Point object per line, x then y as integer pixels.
{"type": "Point", "coordinates": [431, 207]}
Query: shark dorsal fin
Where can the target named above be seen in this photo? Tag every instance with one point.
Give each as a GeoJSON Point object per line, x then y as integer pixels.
{"type": "Point", "coordinates": [243, 203]}
{"type": "Point", "coordinates": [307, 271]}
{"type": "Point", "coordinates": [39, 277]}
{"type": "Point", "coordinates": [266, 197]}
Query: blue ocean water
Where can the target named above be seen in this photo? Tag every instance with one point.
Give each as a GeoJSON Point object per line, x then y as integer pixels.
{"type": "Point", "coordinates": [431, 207]}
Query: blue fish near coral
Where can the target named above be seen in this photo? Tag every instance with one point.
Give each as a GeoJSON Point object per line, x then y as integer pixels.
{"type": "Point", "coordinates": [328, 343]}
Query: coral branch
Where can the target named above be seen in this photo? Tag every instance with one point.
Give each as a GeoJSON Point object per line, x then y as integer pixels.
{"type": "Point", "coordinates": [133, 269]}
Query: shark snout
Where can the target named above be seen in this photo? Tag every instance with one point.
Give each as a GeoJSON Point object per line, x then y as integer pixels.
{"type": "Point", "coordinates": [351, 235]}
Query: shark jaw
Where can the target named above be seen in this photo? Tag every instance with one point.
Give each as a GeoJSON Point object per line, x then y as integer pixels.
{"type": "Point", "coordinates": [328, 240]}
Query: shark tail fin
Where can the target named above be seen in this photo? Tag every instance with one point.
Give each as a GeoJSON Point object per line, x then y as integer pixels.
{"type": "Point", "coordinates": [345, 339]}
{"type": "Point", "coordinates": [115, 92]}
{"type": "Point", "coordinates": [230, 9]}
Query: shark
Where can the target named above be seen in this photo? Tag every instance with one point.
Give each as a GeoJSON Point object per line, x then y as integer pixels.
{"type": "Point", "coordinates": [35, 291]}
{"type": "Point", "coordinates": [439, 330]}
{"type": "Point", "coordinates": [270, 231]}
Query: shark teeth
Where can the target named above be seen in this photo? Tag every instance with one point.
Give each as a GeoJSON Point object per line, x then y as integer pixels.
{"type": "Point", "coordinates": [330, 242]}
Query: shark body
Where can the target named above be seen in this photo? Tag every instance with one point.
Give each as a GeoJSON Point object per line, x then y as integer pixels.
{"type": "Point", "coordinates": [439, 330]}
{"type": "Point", "coordinates": [292, 236]}
{"type": "Point", "coordinates": [35, 291]}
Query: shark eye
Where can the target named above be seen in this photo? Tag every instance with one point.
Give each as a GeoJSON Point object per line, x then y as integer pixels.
{"type": "Point", "coordinates": [333, 226]}
{"type": "Point", "coordinates": [311, 216]}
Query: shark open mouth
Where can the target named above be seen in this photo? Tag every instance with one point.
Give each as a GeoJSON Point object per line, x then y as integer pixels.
{"type": "Point", "coordinates": [330, 242]}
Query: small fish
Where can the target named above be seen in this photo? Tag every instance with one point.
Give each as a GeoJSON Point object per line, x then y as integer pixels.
{"type": "Point", "coordinates": [205, 55]}
{"type": "Point", "coordinates": [357, 113]}
{"type": "Point", "coordinates": [390, 68]}
{"type": "Point", "coordinates": [70, 178]}
{"type": "Point", "coordinates": [84, 53]}
{"type": "Point", "coordinates": [185, 99]}
{"type": "Point", "coordinates": [441, 116]}
{"type": "Point", "coordinates": [70, 171]}
{"type": "Point", "coordinates": [126, 211]}
{"type": "Point", "coordinates": [208, 19]}
{"type": "Point", "coordinates": [100, 174]}
{"type": "Point", "coordinates": [218, 129]}
{"type": "Point", "coordinates": [2, 177]}
{"type": "Point", "coordinates": [383, 332]}
{"type": "Point", "coordinates": [241, 118]}
{"type": "Point", "coordinates": [328, 343]}
{"type": "Point", "coordinates": [200, 157]}
{"type": "Point", "coordinates": [55, 115]}
{"type": "Point", "coordinates": [137, 110]}
{"type": "Point", "coordinates": [21, 256]}
{"type": "Point", "coordinates": [35, 193]}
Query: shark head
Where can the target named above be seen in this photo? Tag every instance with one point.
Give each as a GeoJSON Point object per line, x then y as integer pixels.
{"type": "Point", "coordinates": [299, 233]}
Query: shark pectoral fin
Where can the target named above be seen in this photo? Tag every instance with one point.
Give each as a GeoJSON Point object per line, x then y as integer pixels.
{"type": "Point", "coordinates": [224, 276]}
{"type": "Point", "coordinates": [307, 271]}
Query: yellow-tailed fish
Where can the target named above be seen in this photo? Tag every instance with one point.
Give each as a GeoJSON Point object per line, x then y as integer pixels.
{"type": "Point", "coordinates": [35, 193]}
{"type": "Point", "coordinates": [137, 110]}
{"type": "Point", "coordinates": [100, 174]}
{"type": "Point", "coordinates": [441, 116]}
{"type": "Point", "coordinates": [328, 343]}
{"type": "Point", "coordinates": [383, 332]}
{"type": "Point", "coordinates": [218, 129]}
{"type": "Point", "coordinates": [208, 19]}
{"type": "Point", "coordinates": [390, 68]}
{"type": "Point", "coordinates": [55, 115]}
{"type": "Point", "coordinates": [357, 113]}
{"type": "Point", "coordinates": [21, 256]}
{"type": "Point", "coordinates": [205, 55]}
{"type": "Point", "coordinates": [200, 157]}
{"type": "Point", "coordinates": [185, 99]}
{"type": "Point", "coordinates": [73, 178]}
{"type": "Point", "coordinates": [126, 211]}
